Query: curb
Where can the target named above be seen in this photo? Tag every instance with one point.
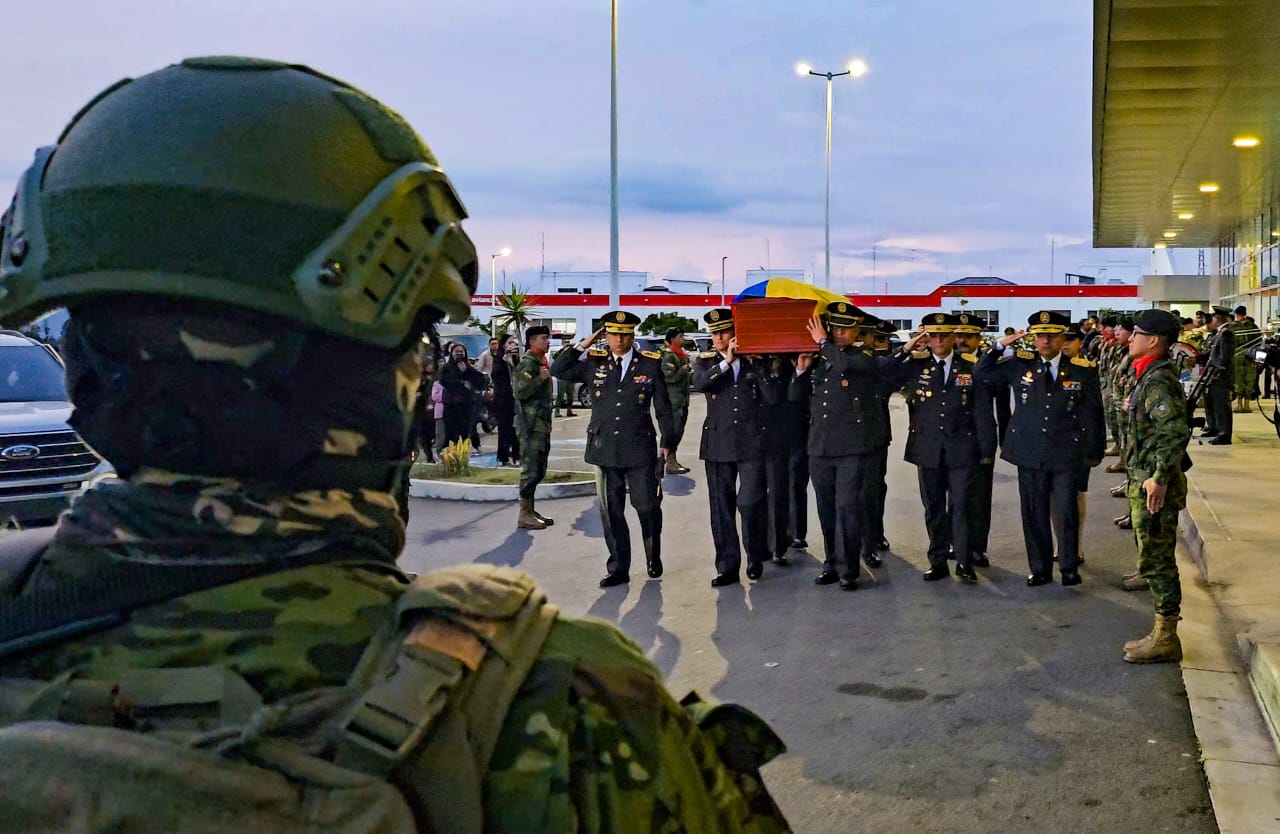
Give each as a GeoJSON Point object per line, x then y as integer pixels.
{"type": "Point", "coordinates": [453, 491]}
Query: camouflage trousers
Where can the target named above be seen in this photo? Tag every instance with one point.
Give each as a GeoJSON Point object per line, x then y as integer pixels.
{"type": "Point", "coordinates": [1112, 414]}
{"type": "Point", "coordinates": [534, 448]}
{"type": "Point", "coordinates": [1157, 537]}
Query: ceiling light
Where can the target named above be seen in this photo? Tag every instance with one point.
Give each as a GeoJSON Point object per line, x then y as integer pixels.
{"type": "Point", "coordinates": [1185, 215]}
{"type": "Point", "coordinates": [1246, 142]}
{"type": "Point", "coordinates": [1161, 246]}
{"type": "Point", "coordinates": [1208, 187]}
{"type": "Point", "coordinates": [1170, 235]}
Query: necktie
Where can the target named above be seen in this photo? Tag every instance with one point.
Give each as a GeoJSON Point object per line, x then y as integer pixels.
{"type": "Point", "coordinates": [1048, 376]}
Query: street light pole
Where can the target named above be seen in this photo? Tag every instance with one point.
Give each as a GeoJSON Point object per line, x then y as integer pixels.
{"type": "Point", "coordinates": [613, 158]}
{"type": "Point", "coordinates": [722, 260]}
{"type": "Point", "coordinates": [856, 69]}
{"type": "Point", "coordinates": [493, 288]}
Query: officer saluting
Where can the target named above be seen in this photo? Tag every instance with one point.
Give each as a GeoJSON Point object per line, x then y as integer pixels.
{"type": "Point", "coordinates": [1057, 429]}
{"type": "Point", "coordinates": [624, 384]}
{"type": "Point", "coordinates": [737, 389]}
{"type": "Point", "coordinates": [952, 428]}
{"type": "Point", "coordinates": [969, 341]}
{"type": "Point", "coordinates": [840, 384]}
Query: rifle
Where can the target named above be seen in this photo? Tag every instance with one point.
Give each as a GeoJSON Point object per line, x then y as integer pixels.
{"type": "Point", "coordinates": [1207, 377]}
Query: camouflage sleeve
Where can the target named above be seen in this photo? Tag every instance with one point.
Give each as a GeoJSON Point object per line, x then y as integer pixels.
{"type": "Point", "coordinates": [1165, 407]}
{"type": "Point", "coordinates": [671, 369]}
{"type": "Point", "coordinates": [527, 379]}
{"type": "Point", "coordinates": [595, 743]}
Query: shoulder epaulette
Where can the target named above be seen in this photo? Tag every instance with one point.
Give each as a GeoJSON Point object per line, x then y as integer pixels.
{"type": "Point", "coordinates": [920, 354]}
{"type": "Point", "coordinates": [601, 352]}
{"type": "Point", "coordinates": [652, 354]}
{"type": "Point", "coordinates": [970, 357]}
{"type": "Point", "coordinates": [1023, 353]}
{"type": "Point", "coordinates": [1081, 361]}
{"type": "Point", "coordinates": [708, 354]}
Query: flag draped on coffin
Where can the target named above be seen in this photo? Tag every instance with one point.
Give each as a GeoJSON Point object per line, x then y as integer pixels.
{"type": "Point", "coordinates": [769, 317]}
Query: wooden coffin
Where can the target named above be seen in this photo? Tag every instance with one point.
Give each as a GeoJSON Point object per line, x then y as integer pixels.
{"type": "Point", "coordinates": [773, 325]}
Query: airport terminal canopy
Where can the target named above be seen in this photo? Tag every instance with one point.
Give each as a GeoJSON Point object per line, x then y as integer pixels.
{"type": "Point", "coordinates": [1186, 97]}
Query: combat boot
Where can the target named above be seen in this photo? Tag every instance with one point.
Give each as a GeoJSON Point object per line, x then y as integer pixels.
{"type": "Point", "coordinates": [1160, 646]}
{"type": "Point", "coordinates": [1112, 451]}
{"type": "Point", "coordinates": [1120, 490]}
{"type": "Point", "coordinates": [546, 521]}
{"type": "Point", "coordinates": [528, 518]}
{"type": "Point", "coordinates": [1133, 582]}
{"type": "Point", "coordinates": [1241, 406]}
{"type": "Point", "coordinates": [674, 467]}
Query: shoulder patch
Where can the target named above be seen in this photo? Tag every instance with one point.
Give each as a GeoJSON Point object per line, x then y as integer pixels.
{"type": "Point", "coordinates": [652, 354]}
{"type": "Point", "coordinates": [970, 357]}
{"type": "Point", "coordinates": [708, 354]}
{"type": "Point", "coordinates": [1081, 361]}
{"type": "Point", "coordinates": [1023, 353]}
{"type": "Point", "coordinates": [920, 354]}
{"type": "Point", "coordinates": [600, 352]}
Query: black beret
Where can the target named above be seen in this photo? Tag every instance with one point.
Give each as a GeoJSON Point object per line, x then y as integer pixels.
{"type": "Point", "coordinates": [674, 332]}
{"type": "Point", "coordinates": [537, 330]}
{"type": "Point", "coordinates": [1110, 321]}
{"type": "Point", "coordinates": [1158, 323]}
{"type": "Point", "coordinates": [1242, 310]}
{"type": "Point", "coordinates": [1126, 322]}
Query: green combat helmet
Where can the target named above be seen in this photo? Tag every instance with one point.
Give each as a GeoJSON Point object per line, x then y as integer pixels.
{"type": "Point", "coordinates": [244, 182]}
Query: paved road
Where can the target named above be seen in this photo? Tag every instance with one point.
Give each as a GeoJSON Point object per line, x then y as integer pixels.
{"type": "Point", "coordinates": [907, 707]}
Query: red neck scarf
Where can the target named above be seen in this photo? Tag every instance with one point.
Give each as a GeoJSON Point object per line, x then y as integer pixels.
{"type": "Point", "coordinates": [678, 351]}
{"type": "Point", "coordinates": [1140, 365]}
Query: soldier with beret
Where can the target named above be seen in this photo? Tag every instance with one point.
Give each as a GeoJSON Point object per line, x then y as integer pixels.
{"type": "Point", "coordinates": [1221, 362]}
{"type": "Point", "coordinates": [952, 428]}
{"type": "Point", "coordinates": [531, 384]}
{"type": "Point", "coordinates": [1056, 429]}
{"type": "Point", "coordinates": [840, 383]}
{"type": "Point", "coordinates": [969, 329]}
{"type": "Point", "coordinates": [678, 372]}
{"type": "Point", "coordinates": [626, 386]}
{"type": "Point", "coordinates": [1156, 456]}
{"type": "Point", "coordinates": [737, 390]}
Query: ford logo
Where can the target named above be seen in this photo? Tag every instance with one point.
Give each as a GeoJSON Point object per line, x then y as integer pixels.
{"type": "Point", "coordinates": [21, 452]}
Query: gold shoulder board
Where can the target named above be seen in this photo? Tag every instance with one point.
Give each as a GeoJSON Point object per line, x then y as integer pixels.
{"type": "Point", "coordinates": [1025, 354]}
{"type": "Point", "coordinates": [652, 354]}
{"type": "Point", "coordinates": [920, 354]}
{"type": "Point", "coordinates": [708, 354]}
{"type": "Point", "coordinates": [1081, 361]}
{"type": "Point", "coordinates": [970, 357]}
{"type": "Point", "coordinates": [598, 352]}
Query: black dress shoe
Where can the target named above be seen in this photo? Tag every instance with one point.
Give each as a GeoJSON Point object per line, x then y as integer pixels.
{"type": "Point", "coordinates": [1070, 577]}
{"type": "Point", "coordinates": [654, 567]}
{"type": "Point", "coordinates": [1037, 579]}
{"type": "Point", "coordinates": [872, 560]}
{"type": "Point", "coordinates": [934, 574]}
{"type": "Point", "coordinates": [966, 573]}
{"type": "Point", "coordinates": [781, 560]}
{"type": "Point", "coordinates": [980, 560]}
{"type": "Point", "coordinates": [755, 570]}
{"type": "Point", "coordinates": [614, 579]}
{"type": "Point", "coordinates": [848, 584]}
{"type": "Point", "coordinates": [827, 577]}
{"type": "Point", "coordinates": [882, 544]}
{"type": "Point", "coordinates": [724, 579]}
{"type": "Point", "coordinates": [799, 544]}
{"type": "Point", "coordinates": [951, 553]}
{"type": "Point", "coordinates": [1220, 440]}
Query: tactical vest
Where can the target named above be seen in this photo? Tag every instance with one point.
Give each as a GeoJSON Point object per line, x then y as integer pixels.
{"type": "Point", "coordinates": [154, 751]}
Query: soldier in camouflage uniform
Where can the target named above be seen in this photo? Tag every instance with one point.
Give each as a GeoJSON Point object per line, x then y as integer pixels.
{"type": "Point", "coordinates": [1156, 439]}
{"type": "Point", "coordinates": [532, 386]}
{"type": "Point", "coordinates": [247, 277]}
{"type": "Point", "coordinates": [677, 370]}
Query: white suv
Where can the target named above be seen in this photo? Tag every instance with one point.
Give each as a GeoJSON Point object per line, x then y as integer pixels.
{"type": "Point", "coordinates": [43, 463]}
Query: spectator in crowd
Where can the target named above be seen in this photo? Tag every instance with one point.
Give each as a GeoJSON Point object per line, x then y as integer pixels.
{"type": "Point", "coordinates": [462, 386]}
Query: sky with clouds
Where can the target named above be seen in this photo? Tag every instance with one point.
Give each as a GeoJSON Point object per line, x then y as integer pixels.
{"type": "Point", "coordinates": [964, 151]}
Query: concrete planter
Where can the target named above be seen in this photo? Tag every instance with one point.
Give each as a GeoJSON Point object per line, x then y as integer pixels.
{"type": "Point", "coordinates": [455, 491]}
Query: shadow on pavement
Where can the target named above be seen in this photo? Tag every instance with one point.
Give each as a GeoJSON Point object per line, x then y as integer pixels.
{"type": "Point", "coordinates": [644, 624]}
{"type": "Point", "coordinates": [511, 552]}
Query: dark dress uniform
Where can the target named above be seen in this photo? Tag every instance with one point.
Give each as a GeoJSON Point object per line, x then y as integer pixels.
{"type": "Point", "coordinates": [1057, 428]}
{"type": "Point", "coordinates": [786, 432]}
{"type": "Point", "coordinates": [733, 451]}
{"type": "Point", "coordinates": [952, 428]}
{"type": "Point", "coordinates": [843, 425]}
{"type": "Point", "coordinates": [875, 486]}
{"type": "Point", "coordinates": [622, 444]}
{"type": "Point", "coordinates": [1217, 396]}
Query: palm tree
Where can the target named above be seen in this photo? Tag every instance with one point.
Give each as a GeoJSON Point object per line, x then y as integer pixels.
{"type": "Point", "coordinates": [513, 312]}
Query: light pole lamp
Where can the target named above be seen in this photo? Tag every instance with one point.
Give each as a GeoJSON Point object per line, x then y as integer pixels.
{"type": "Point", "coordinates": [856, 69]}
{"type": "Point", "coordinates": [493, 287]}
